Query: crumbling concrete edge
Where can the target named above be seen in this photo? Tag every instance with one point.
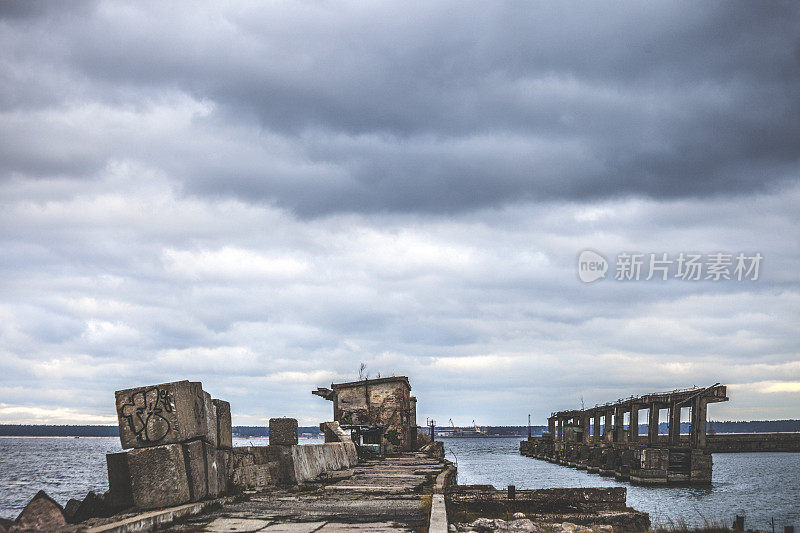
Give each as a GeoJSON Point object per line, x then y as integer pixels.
{"type": "Point", "coordinates": [154, 519]}
{"type": "Point", "coordinates": [438, 520]}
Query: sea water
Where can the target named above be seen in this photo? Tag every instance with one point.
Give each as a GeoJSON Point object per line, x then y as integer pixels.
{"type": "Point", "coordinates": [760, 486]}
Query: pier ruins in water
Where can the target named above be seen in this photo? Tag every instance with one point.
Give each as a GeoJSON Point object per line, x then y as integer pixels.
{"type": "Point", "coordinates": [596, 439]}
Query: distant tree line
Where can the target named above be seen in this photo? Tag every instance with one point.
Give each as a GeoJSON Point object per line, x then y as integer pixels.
{"type": "Point", "coordinates": [32, 430]}
{"type": "Point", "coordinates": [752, 426]}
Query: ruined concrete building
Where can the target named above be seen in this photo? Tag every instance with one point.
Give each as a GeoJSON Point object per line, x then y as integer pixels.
{"type": "Point", "coordinates": [606, 440]}
{"type": "Point", "coordinates": [380, 413]}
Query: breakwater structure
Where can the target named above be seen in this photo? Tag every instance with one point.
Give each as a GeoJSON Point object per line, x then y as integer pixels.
{"type": "Point", "coordinates": [374, 472]}
{"type": "Point", "coordinates": [600, 440]}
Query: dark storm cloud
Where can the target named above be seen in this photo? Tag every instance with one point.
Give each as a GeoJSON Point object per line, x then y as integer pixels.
{"type": "Point", "coordinates": [431, 108]}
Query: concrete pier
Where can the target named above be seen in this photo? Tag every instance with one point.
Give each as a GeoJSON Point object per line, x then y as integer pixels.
{"type": "Point", "coordinates": [575, 438]}
{"type": "Point", "coordinates": [380, 495]}
{"type": "Point", "coordinates": [181, 473]}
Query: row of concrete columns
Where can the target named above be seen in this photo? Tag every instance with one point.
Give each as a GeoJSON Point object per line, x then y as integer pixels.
{"type": "Point", "coordinates": [615, 432]}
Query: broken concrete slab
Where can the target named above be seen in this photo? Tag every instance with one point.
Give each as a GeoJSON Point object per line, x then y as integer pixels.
{"type": "Point", "coordinates": [334, 433]}
{"type": "Point", "coordinates": [223, 470]}
{"type": "Point", "coordinates": [70, 509]}
{"type": "Point", "coordinates": [161, 414]}
{"type": "Point", "coordinates": [224, 428]}
{"type": "Point", "coordinates": [294, 527]}
{"type": "Point", "coordinates": [372, 527]}
{"type": "Point", "coordinates": [92, 506]}
{"type": "Point", "coordinates": [197, 475]}
{"type": "Point", "coordinates": [239, 525]}
{"type": "Point", "coordinates": [42, 513]}
{"type": "Point", "coordinates": [119, 494]}
{"type": "Point", "coordinates": [158, 476]}
{"type": "Point", "coordinates": [210, 411]}
{"type": "Point", "coordinates": [214, 483]}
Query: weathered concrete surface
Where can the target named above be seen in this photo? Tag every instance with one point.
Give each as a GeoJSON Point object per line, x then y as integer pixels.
{"type": "Point", "coordinates": [583, 506]}
{"type": "Point", "coordinates": [438, 521]}
{"type": "Point", "coordinates": [120, 494]}
{"type": "Point", "coordinates": [210, 424]}
{"type": "Point", "coordinates": [197, 476]}
{"type": "Point", "coordinates": [158, 476]}
{"type": "Point", "coordinates": [334, 433]}
{"type": "Point", "coordinates": [283, 431]}
{"type": "Point", "coordinates": [224, 428]}
{"type": "Point", "coordinates": [162, 414]}
{"type": "Point", "coordinates": [151, 520]}
{"type": "Point", "coordinates": [319, 508]}
{"type": "Point", "coordinates": [383, 403]}
{"type": "Point", "coordinates": [41, 514]}
{"type": "Point", "coordinates": [312, 460]}
{"type": "Point", "coordinates": [91, 506]}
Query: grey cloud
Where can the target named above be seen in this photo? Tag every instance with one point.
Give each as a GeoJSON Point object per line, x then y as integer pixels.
{"type": "Point", "coordinates": [468, 106]}
{"type": "Point", "coordinates": [297, 189]}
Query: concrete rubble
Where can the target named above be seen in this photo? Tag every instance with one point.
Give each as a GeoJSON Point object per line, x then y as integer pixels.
{"type": "Point", "coordinates": [524, 525]}
{"type": "Point", "coordinates": [586, 507]}
{"type": "Point", "coordinates": [41, 514]}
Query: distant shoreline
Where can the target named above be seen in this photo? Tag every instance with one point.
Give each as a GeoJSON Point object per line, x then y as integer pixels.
{"type": "Point", "coordinates": [100, 431]}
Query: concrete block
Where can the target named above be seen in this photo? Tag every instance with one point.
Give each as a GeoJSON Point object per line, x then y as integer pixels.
{"type": "Point", "coordinates": [334, 433]}
{"type": "Point", "coordinates": [41, 514]}
{"type": "Point", "coordinates": [283, 431]}
{"type": "Point", "coordinates": [120, 495]}
{"type": "Point", "coordinates": [251, 477]}
{"type": "Point", "coordinates": [196, 472]}
{"type": "Point", "coordinates": [92, 506]}
{"type": "Point", "coordinates": [210, 411]}
{"type": "Point", "coordinates": [224, 428]}
{"type": "Point", "coordinates": [70, 510]}
{"type": "Point", "coordinates": [161, 414]}
{"type": "Point", "coordinates": [352, 453]}
{"type": "Point", "coordinates": [158, 476]}
{"type": "Point", "coordinates": [223, 470]}
{"type": "Point", "coordinates": [215, 488]}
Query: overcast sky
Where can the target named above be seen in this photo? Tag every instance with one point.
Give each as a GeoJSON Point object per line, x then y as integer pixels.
{"type": "Point", "coordinates": [262, 196]}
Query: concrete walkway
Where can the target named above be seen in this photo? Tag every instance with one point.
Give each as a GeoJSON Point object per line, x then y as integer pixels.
{"type": "Point", "coordinates": [391, 494]}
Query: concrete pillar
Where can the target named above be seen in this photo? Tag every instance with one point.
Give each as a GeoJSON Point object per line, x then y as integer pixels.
{"type": "Point", "coordinates": [698, 431]}
{"type": "Point", "coordinates": [586, 421]}
{"type": "Point", "coordinates": [560, 429]}
{"type": "Point", "coordinates": [633, 433]}
{"type": "Point", "coordinates": [551, 426]}
{"type": "Point", "coordinates": [598, 433]}
{"type": "Point", "coordinates": [619, 424]}
{"type": "Point", "coordinates": [609, 428]}
{"type": "Point", "coordinates": [674, 424]}
{"type": "Point", "coordinates": [652, 425]}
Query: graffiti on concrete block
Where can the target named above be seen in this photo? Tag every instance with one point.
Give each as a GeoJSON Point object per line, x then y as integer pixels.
{"type": "Point", "coordinates": [144, 411]}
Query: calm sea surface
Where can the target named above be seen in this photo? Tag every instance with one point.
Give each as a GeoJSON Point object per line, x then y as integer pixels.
{"type": "Point", "coordinates": [759, 485]}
